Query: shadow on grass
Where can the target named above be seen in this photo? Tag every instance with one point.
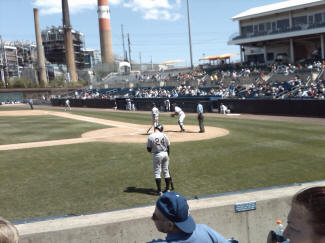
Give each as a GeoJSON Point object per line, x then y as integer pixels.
{"type": "Point", "coordinates": [148, 191]}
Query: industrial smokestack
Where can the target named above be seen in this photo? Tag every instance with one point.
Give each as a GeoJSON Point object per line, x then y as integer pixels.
{"type": "Point", "coordinates": [105, 33]}
{"type": "Point", "coordinates": [69, 52]}
{"type": "Point", "coordinates": [40, 50]}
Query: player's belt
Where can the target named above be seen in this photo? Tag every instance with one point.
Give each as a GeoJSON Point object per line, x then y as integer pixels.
{"type": "Point", "coordinates": [160, 152]}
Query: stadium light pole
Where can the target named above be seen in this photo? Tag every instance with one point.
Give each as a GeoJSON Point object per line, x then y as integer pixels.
{"type": "Point", "coordinates": [189, 32]}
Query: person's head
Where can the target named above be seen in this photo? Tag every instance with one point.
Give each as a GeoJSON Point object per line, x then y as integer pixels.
{"type": "Point", "coordinates": [153, 105]}
{"type": "Point", "coordinates": [159, 127]}
{"type": "Point", "coordinates": [306, 219]}
{"type": "Point", "coordinates": [8, 232]}
{"type": "Point", "coordinates": [172, 214]}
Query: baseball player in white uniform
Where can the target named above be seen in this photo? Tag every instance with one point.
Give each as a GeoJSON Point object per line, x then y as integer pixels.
{"type": "Point", "coordinates": [158, 144]}
{"type": "Point", "coordinates": [67, 105]}
{"type": "Point", "coordinates": [155, 116]}
{"type": "Point", "coordinates": [128, 104]}
{"type": "Point", "coordinates": [181, 116]}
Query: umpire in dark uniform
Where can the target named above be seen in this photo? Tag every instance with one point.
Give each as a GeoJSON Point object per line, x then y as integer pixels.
{"type": "Point", "coordinates": [199, 110]}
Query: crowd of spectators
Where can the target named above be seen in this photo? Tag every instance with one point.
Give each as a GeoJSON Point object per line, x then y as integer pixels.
{"type": "Point", "coordinates": [225, 82]}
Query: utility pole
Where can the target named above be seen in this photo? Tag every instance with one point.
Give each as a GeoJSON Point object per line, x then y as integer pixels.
{"type": "Point", "coordinates": [140, 61]}
{"type": "Point", "coordinates": [151, 64]}
{"type": "Point", "coordinates": [189, 32]}
{"type": "Point", "coordinates": [124, 53]}
{"type": "Point", "coordinates": [129, 43]}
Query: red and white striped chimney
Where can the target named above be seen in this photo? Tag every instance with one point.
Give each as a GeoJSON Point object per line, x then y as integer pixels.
{"type": "Point", "coordinates": [105, 33]}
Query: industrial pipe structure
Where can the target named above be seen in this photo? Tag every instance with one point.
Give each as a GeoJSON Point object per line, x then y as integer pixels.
{"type": "Point", "coordinates": [40, 50]}
{"type": "Point", "coordinates": [105, 33]}
{"type": "Point", "coordinates": [69, 51]}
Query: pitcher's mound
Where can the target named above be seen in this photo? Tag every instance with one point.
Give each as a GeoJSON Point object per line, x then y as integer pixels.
{"type": "Point", "coordinates": [139, 135]}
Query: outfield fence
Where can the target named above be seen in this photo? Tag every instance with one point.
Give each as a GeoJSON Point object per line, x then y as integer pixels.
{"type": "Point", "coordinates": [287, 107]}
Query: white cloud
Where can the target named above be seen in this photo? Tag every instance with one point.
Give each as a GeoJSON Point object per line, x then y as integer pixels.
{"type": "Point", "coordinates": [115, 2]}
{"type": "Point", "coordinates": [54, 6]}
{"type": "Point", "coordinates": [161, 14]}
{"type": "Point", "coordinates": [156, 9]}
{"type": "Point", "coordinates": [147, 4]}
{"type": "Point", "coordinates": [149, 9]}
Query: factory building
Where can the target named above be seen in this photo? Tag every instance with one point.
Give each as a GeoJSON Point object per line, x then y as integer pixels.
{"type": "Point", "coordinates": [92, 57]}
{"type": "Point", "coordinates": [54, 49]}
{"type": "Point", "coordinates": [290, 31]}
{"type": "Point", "coordinates": [16, 58]}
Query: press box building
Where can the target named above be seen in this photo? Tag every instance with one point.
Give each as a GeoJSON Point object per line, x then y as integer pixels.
{"type": "Point", "coordinates": [288, 31]}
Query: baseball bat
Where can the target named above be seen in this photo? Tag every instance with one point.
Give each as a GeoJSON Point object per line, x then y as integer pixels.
{"type": "Point", "coordinates": [149, 129]}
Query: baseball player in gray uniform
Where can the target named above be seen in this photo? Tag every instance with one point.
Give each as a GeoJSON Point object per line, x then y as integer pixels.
{"type": "Point", "coordinates": [181, 116]}
{"type": "Point", "coordinates": [158, 144]}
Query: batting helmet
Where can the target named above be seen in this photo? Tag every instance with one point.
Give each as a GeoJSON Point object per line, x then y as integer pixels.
{"type": "Point", "coordinates": [159, 127]}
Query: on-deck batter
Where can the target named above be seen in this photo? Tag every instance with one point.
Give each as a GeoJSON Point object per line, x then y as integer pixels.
{"type": "Point", "coordinates": [158, 144]}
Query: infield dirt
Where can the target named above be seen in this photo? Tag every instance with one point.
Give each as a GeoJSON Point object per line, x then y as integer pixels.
{"type": "Point", "coordinates": [120, 132]}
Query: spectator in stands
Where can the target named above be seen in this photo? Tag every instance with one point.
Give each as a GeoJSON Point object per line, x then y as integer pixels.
{"type": "Point", "coordinates": [306, 219]}
{"type": "Point", "coordinates": [8, 232]}
{"type": "Point", "coordinates": [172, 216]}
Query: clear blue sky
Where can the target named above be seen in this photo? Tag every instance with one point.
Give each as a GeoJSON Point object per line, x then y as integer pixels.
{"type": "Point", "coordinates": [157, 28]}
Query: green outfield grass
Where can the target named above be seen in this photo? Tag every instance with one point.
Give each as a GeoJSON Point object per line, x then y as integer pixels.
{"type": "Point", "coordinates": [22, 129]}
{"type": "Point", "coordinates": [92, 177]}
{"type": "Point", "coordinates": [14, 107]}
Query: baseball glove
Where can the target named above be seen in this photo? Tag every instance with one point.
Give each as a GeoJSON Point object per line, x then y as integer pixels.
{"type": "Point", "coordinates": [172, 115]}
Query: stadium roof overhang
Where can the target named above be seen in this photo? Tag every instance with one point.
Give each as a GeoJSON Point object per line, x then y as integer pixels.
{"type": "Point", "coordinates": [275, 37]}
{"type": "Point", "coordinates": [172, 62]}
{"type": "Point", "coordinates": [219, 57]}
{"type": "Point", "coordinates": [274, 8]}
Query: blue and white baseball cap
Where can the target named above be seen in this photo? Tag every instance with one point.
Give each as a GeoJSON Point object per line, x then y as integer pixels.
{"type": "Point", "coordinates": [175, 208]}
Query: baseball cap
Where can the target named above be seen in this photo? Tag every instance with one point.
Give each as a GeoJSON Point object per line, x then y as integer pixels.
{"type": "Point", "coordinates": [175, 208]}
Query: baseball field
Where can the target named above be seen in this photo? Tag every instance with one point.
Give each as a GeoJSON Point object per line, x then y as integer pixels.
{"type": "Point", "coordinates": [84, 161]}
